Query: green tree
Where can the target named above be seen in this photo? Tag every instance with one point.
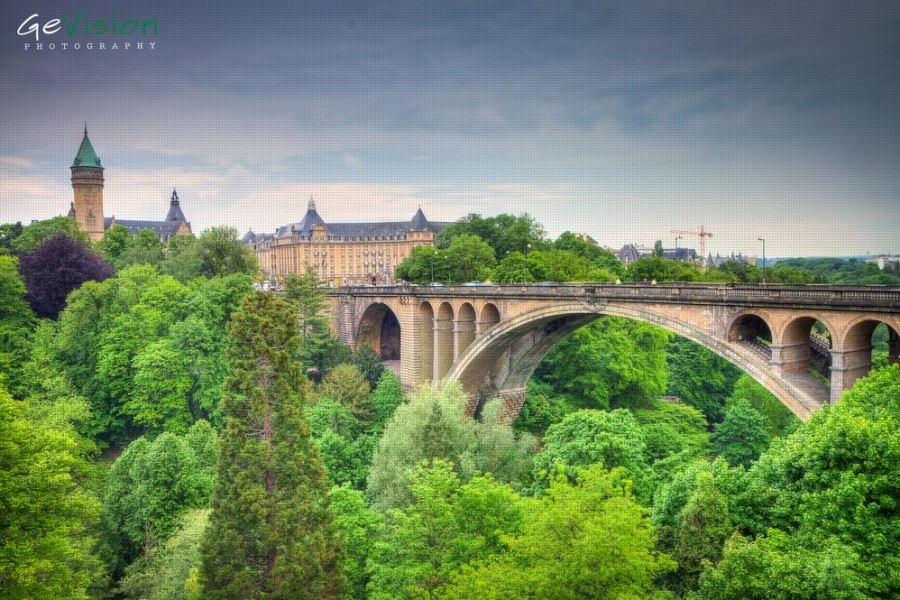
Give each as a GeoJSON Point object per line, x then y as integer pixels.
{"type": "Point", "coordinates": [223, 253]}
{"type": "Point", "coordinates": [742, 436]}
{"type": "Point", "coordinates": [150, 486]}
{"type": "Point", "coordinates": [169, 571]}
{"type": "Point", "coordinates": [504, 233]}
{"type": "Point", "coordinates": [38, 232]}
{"type": "Point", "coordinates": [369, 363]}
{"type": "Point", "coordinates": [421, 264]}
{"type": "Point", "coordinates": [184, 259]}
{"type": "Point", "coordinates": [652, 268]}
{"type": "Point", "coordinates": [669, 428]}
{"type": "Point", "coordinates": [310, 303]}
{"type": "Point", "coordinates": [347, 386]}
{"type": "Point", "coordinates": [777, 567]}
{"type": "Point", "coordinates": [433, 425]}
{"type": "Point", "coordinates": [542, 408]}
{"type": "Point", "coordinates": [142, 249]}
{"type": "Point", "coordinates": [17, 322]}
{"type": "Point", "coordinates": [8, 233]}
{"type": "Point", "coordinates": [469, 258]}
{"type": "Point", "coordinates": [359, 528]}
{"type": "Point", "coordinates": [699, 377]}
{"type": "Point", "coordinates": [700, 531]}
{"type": "Point", "coordinates": [47, 518]}
{"type": "Point", "coordinates": [584, 540]}
{"type": "Point", "coordinates": [386, 397]}
{"type": "Point", "coordinates": [779, 419]}
{"type": "Point", "coordinates": [271, 531]}
{"type": "Point", "coordinates": [588, 437]}
{"type": "Point", "coordinates": [658, 250]}
{"type": "Point", "coordinates": [610, 362]}
{"type": "Point", "coordinates": [446, 524]}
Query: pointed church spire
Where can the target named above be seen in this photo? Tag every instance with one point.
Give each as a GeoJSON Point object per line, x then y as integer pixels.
{"type": "Point", "coordinates": [312, 204]}
{"type": "Point", "coordinates": [86, 156]}
{"type": "Point", "coordinates": [174, 197]}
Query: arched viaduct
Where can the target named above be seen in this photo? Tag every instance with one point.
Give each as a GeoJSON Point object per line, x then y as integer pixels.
{"type": "Point", "coordinates": [805, 344]}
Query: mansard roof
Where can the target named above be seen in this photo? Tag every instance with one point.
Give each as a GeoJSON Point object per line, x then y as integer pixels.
{"type": "Point", "coordinates": [86, 156]}
{"type": "Point", "coordinates": [358, 230]}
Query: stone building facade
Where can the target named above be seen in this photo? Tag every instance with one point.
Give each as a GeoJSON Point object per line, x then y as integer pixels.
{"type": "Point", "coordinates": [341, 253]}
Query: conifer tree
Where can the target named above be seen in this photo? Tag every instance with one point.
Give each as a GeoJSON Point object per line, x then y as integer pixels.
{"type": "Point", "coordinates": [271, 531]}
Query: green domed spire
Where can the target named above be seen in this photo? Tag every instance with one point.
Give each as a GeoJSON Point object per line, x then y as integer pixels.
{"type": "Point", "coordinates": [86, 156]}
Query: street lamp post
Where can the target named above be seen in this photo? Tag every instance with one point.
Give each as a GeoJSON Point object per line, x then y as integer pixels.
{"type": "Point", "coordinates": [763, 240]}
{"type": "Point", "coordinates": [676, 256]}
{"type": "Point", "coordinates": [432, 268]}
{"type": "Point", "coordinates": [525, 265]}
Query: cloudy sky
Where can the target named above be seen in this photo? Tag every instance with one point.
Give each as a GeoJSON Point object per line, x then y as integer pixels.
{"type": "Point", "coordinates": [619, 119]}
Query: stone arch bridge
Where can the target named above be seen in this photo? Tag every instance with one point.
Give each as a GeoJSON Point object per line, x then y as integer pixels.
{"type": "Point", "coordinates": [805, 344]}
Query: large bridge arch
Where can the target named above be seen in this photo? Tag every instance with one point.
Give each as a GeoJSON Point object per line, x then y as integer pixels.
{"type": "Point", "coordinates": [380, 328]}
{"type": "Point", "coordinates": [501, 361]}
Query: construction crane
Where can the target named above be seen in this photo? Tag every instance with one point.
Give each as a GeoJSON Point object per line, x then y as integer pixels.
{"type": "Point", "coordinates": [701, 233]}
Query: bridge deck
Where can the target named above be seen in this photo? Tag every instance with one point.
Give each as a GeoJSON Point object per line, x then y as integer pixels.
{"type": "Point", "coordinates": [869, 298]}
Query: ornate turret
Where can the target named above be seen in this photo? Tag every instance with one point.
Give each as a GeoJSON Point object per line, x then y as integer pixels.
{"type": "Point", "coordinates": [175, 213]}
{"type": "Point", "coordinates": [419, 222]}
{"type": "Point", "coordinates": [87, 185]}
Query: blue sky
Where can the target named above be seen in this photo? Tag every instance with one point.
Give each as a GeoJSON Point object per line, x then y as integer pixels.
{"type": "Point", "coordinates": [620, 119]}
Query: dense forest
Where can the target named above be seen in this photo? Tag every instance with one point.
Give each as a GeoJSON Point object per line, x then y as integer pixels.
{"type": "Point", "coordinates": [168, 432]}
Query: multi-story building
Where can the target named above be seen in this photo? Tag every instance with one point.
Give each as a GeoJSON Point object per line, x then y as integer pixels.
{"type": "Point", "coordinates": [87, 207]}
{"type": "Point", "coordinates": [341, 253]}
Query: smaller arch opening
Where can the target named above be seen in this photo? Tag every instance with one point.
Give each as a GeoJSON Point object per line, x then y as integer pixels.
{"type": "Point", "coordinates": [752, 332]}
{"type": "Point", "coordinates": [443, 340]}
{"type": "Point", "coordinates": [465, 328]}
{"type": "Point", "coordinates": [868, 344]}
{"type": "Point", "coordinates": [806, 348]}
{"type": "Point", "coordinates": [490, 316]}
{"type": "Point", "coordinates": [426, 342]}
{"type": "Point", "coordinates": [380, 328]}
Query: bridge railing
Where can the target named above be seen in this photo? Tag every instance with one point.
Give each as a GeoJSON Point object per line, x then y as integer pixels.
{"type": "Point", "coordinates": [874, 297]}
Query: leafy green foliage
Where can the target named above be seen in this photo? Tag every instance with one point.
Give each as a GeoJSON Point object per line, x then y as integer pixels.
{"type": "Point", "coordinates": [167, 571]}
{"type": "Point", "coordinates": [841, 271]}
{"type": "Point", "coordinates": [348, 387]}
{"type": "Point", "coordinates": [147, 350]}
{"type": "Point", "coordinates": [35, 234]}
{"type": "Point", "coordinates": [669, 428]}
{"type": "Point", "coordinates": [548, 265]}
{"type": "Point", "coordinates": [467, 257]}
{"type": "Point", "coordinates": [16, 323]}
{"type": "Point", "coordinates": [433, 425]}
{"type": "Point", "coordinates": [779, 418]}
{"type": "Point", "coordinates": [308, 299]}
{"type": "Point", "coordinates": [699, 377]}
{"type": "Point", "coordinates": [542, 408]}
{"type": "Point", "coordinates": [223, 253]}
{"type": "Point", "coordinates": [152, 484]}
{"type": "Point", "coordinates": [589, 437]}
{"type": "Point", "coordinates": [584, 540]}
{"type": "Point", "coordinates": [386, 397]}
{"type": "Point", "coordinates": [369, 363]}
{"type": "Point", "coordinates": [271, 531]}
{"type": "Point", "coordinates": [608, 363]}
{"type": "Point", "coordinates": [47, 518]}
{"type": "Point", "coordinates": [831, 488]}
{"type": "Point", "coordinates": [358, 527]}
{"type": "Point", "coordinates": [445, 525]}
{"type": "Point", "coordinates": [700, 532]}
{"type": "Point", "coordinates": [121, 249]}
{"type": "Point", "coordinates": [504, 232]}
{"type": "Point", "coordinates": [776, 566]}
{"type": "Point", "coordinates": [742, 436]}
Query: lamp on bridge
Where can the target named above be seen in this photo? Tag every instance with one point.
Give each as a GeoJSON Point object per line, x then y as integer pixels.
{"type": "Point", "coordinates": [525, 264]}
{"type": "Point", "coordinates": [676, 256]}
{"type": "Point", "coordinates": [763, 240]}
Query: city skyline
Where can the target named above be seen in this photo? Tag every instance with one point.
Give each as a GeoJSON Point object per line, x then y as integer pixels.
{"type": "Point", "coordinates": [617, 120]}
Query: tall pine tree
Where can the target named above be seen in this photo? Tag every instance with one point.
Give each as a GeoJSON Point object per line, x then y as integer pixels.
{"type": "Point", "coordinates": [271, 531]}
